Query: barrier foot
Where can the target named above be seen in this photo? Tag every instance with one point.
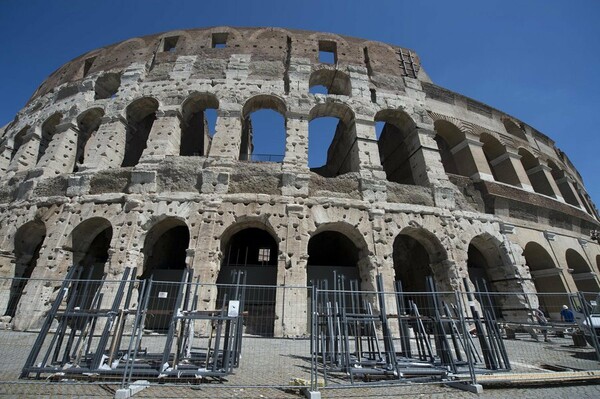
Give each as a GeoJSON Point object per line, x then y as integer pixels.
{"type": "Point", "coordinates": [312, 394]}
{"type": "Point", "coordinates": [133, 388]}
{"type": "Point", "coordinates": [466, 386]}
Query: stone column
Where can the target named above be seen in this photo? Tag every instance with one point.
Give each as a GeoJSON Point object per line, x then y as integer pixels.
{"type": "Point", "coordinates": [7, 272]}
{"type": "Point", "coordinates": [227, 139]}
{"type": "Point", "coordinates": [372, 175]}
{"type": "Point", "coordinates": [546, 172]}
{"type": "Point", "coordinates": [106, 148]}
{"type": "Point", "coordinates": [292, 300]}
{"type": "Point", "coordinates": [470, 160]}
{"type": "Point", "coordinates": [5, 153]}
{"type": "Point", "coordinates": [60, 156]}
{"type": "Point", "coordinates": [295, 176]}
{"type": "Point", "coordinates": [566, 187]}
{"type": "Point", "coordinates": [164, 138]}
{"type": "Point", "coordinates": [425, 161]}
{"type": "Point", "coordinates": [26, 156]}
{"type": "Point", "coordinates": [509, 169]}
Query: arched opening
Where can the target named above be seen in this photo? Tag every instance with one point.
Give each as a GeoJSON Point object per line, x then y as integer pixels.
{"type": "Point", "coordinates": [536, 174]}
{"type": "Point", "coordinates": [393, 148]}
{"type": "Point", "coordinates": [512, 128]}
{"type": "Point", "coordinates": [546, 277]}
{"type": "Point", "coordinates": [107, 86]}
{"type": "Point", "coordinates": [332, 253]}
{"type": "Point", "coordinates": [447, 137]}
{"type": "Point", "coordinates": [582, 274]}
{"type": "Point", "coordinates": [28, 241]}
{"type": "Point", "coordinates": [48, 131]}
{"type": "Point", "coordinates": [87, 123]}
{"type": "Point", "coordinates": [254, 252]}
{"type": "Point", "coordinates": [340, 150]}
{"type": "Point", "coordinates": [417, 256]}
{"type": "Point", "coordinates": [499, 160]}
{"type": "Point", "coordinates": [412, 265]}
{"type": "Point", "coordinates": [584, 200]}
{"type": "Point", "coordinates": [486, 269]}
{"type": "Point", "coordinates": [141, 115]}
{"type": "Point", "coordinates": [18, 141]}
{"type": "Point", "coordinates": [197, 124]}
{"type": "Point", "coordinates": [263, 129]}
{"type": "Point", "coordinates": [90, 242]}
{"type": "Point", "coordinates": [328, 81]}
{"type": "Point", "coordinates": [562, 181]}
{"type": "Point", "coordinates": [165, 251]}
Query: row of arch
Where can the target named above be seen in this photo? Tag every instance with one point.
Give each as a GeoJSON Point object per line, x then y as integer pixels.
{"type": "Point", "coordinates": [487, 158]}
{"type": "Point", "coordinates": [254, 248]}
{"type": "Point", "coordinates": [482, 156]}
{"type": "Point", "coordinates": [275, 43]}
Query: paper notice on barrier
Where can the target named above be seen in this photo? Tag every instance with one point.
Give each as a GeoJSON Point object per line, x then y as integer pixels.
{"type": "Point", "coordinates": [163, 294]}
{"type": "Point", "coordinates": [234, 309]}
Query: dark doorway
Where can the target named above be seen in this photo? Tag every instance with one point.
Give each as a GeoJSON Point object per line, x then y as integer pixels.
{"type": "Point", "coordinates": [28, 241]}
{"type": "Point", "coordinates": [252, 251]}
{"type": "Point", "coordinates": [165, 251]}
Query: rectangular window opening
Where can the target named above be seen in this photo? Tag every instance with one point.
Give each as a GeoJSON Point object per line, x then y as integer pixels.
{"type": "Point", "coordinates": [373, 95]}
{"type": "Point", "coordinates": [170, 44]}
{"type": "Point", "coordinates": [327, 52]}
{"type": "Point", "coordinates": [264, 254]}
{"type": "Point", "coordinates": [219, 40]}
{"type": "Point", "coordinates": [87, 65]}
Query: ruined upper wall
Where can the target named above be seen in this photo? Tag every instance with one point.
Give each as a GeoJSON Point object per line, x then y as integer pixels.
{"type": "Point", "coordinates": [219, 43]}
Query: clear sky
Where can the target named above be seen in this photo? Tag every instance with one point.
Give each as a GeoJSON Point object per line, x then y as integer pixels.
{"type": "Point", "coordinates": [536, 60]}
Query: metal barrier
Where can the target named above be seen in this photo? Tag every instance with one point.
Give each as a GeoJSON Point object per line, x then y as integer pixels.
{"type": "Point", "coordinates": [251, 336]}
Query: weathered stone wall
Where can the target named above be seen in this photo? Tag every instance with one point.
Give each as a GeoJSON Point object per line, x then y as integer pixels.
{"type": "Point", "coordinates": [101, 122]}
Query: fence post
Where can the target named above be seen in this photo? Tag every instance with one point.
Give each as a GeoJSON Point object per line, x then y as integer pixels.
{"type": "Point", "coordinates": [465, 332]}
{"type": "Point", "coordinates": [588, 318]}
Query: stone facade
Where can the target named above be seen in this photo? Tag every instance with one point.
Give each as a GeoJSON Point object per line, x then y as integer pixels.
{"type": "Point", "coordinates": [112, 157]}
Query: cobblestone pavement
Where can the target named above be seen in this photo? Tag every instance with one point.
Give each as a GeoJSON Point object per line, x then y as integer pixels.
{"type": "Point", "coordinates": [275, 361]}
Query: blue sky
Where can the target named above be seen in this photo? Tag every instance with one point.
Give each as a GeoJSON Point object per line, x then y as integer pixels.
{"type": "Point", "coordinates": [536, 60]}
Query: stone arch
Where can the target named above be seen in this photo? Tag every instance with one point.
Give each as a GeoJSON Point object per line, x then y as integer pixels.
{"type": "Point", "coordinates": [165, 253]}
{"type": "Point", "coordinates": [546, 277]}
{"type": "Point", "coordinates": [581, 271]}
{"type": "Point", "coordinates": [417, 254]}
{"type": "Point", "coordinates": [232, 33]}
{"type": "Point", "coordinates": [90, 242]}
{"type": "Point", "coordinates": [339, 247]}
{"type": "Point", "coordinates": [251, 247]}
{"type": "Point", "coordinates": [536, 173]}
{"type": "Point", "coordinates": [140, 115]}
{"type": "Point", "coordinates": [393, 148]}
{"type": "Point", "coordinates": [329, 36]}
{"type": "Point", "coordinates": [130, 45]}
{"type": "Point", "coordinates": [334, 81]}
{"type": "Point", "coordinates": [499, 160]}
{"type": "Point", "coordinates": [107, 85]}
{"type": "Point", "coordinates": [47, 133]}
{"type": "Point", "coordinates": [342, 152]}
{"type": "Point", "coordinates": [195, 134]}
{"type": "Point", "coordinates": [513, 128]}
{"type": "Point", "coordinates": [88, 123]}
{"type": "Point", "coordinates": [28, 241]}
{"type": "Point", "coordinates": [258, 33]}
{"type": "Point", "coordinates": [448, 136]}
{"type": "Point", "coordinates": [562, 181]}
{"type": "Point", "coordinates": [270, 149]}
{"type": "Point", "coordinates": [486, 262]}
{"type": "Point", "coordinates": [18, 141]}
{"type": "Point", "coordinates": [183, 38]}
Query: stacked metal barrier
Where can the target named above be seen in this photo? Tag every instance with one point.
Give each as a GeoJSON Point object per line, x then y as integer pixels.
{"type": "Point", "coordinates": [431, 341]}
{"type": "Point", "coordinates": [88, 340]}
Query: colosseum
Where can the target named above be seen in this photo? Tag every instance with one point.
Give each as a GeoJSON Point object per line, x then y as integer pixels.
{"type": "Point", "coordinates": [113, 163]}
